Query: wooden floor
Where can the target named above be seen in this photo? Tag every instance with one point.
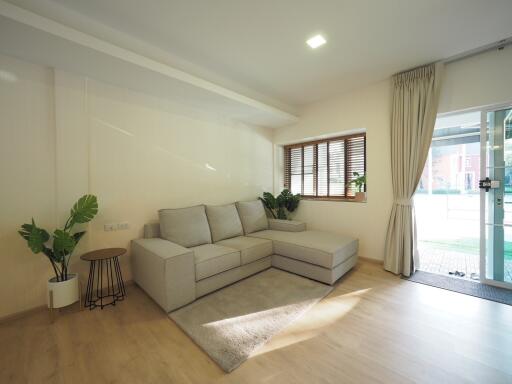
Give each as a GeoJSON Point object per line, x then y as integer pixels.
{"type": "Point", "coordinates": [373, 328]}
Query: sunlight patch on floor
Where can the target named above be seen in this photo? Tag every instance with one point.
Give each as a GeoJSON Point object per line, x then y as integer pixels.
{"type": "Point", "coordinates": [445, 301]}
{"type": "Point", "coordinates": [321, 316]}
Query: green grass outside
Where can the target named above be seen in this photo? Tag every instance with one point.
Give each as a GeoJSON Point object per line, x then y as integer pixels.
{"type": "Point", "coordinates": [465, 245]}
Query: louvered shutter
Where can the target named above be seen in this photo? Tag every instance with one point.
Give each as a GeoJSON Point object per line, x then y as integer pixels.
{"type": "Point", "coordinates": [356, 161]}
{"type": "Point", "coordinates": [325, 168]}
{"type": "Point", "coordinates": [293, 169]}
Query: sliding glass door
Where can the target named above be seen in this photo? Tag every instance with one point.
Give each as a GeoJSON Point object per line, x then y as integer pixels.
{"type": "Point", "coordinates": [496, 197]}
{"type": "Point", "coordinates": [463, 202]}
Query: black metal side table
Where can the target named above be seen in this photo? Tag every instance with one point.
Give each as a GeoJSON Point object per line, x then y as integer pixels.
{"type": "Point", "coordinates": [104, 265]}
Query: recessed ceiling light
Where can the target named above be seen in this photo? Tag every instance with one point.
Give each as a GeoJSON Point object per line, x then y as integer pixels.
{"type": "Point", "coordinates": [316, 41]}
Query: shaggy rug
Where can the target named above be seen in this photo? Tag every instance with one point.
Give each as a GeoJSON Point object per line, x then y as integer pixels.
{"type": "Point", "coordinates": [230, 324]}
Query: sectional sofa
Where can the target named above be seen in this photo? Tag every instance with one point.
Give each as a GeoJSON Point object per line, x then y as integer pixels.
{"type": "Point", "coordinates": [197, 250]}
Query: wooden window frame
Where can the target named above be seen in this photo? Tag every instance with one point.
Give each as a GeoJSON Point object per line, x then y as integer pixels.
{"type": "Point", "coordinates": [346, 165]}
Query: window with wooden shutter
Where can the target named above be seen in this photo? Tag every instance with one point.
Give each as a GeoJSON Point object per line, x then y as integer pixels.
{"type": "Point", "coordinates": [324, 169]}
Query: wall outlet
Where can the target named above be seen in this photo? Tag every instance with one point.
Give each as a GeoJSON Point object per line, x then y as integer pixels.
{"type": "Point", "coordinates": [123, 225]}
{"type": "Point", "coordinates": [109, 227]}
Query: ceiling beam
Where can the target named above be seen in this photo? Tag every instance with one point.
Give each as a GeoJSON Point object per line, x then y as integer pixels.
{"type": "Point", "coordinates": [276, 117]}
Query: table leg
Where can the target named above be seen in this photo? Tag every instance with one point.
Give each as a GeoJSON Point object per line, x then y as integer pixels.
{"type": "Point", "coordinates": [120, 282]}
{"type": "Point", "coordinates": [110, 278]}
{"type": "Point", "coordinates": [100, 278]}
{"type": "Point", "coordinates": [90, 286]}
{"type": "Point", "coordinates": [80, 294]}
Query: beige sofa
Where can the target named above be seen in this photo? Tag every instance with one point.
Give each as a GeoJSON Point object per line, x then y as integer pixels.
{"type": "Point", "coordinates": [197, 250]}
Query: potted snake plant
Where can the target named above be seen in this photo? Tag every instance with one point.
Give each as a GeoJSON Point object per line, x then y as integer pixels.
{"type": "Point", "coordinates": [63, 288]}
{"type": "Point", "coordinates": [360, 182]}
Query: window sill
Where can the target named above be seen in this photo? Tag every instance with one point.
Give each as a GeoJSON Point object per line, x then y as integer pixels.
{"type": "Point", "coordinates": [334, 199]}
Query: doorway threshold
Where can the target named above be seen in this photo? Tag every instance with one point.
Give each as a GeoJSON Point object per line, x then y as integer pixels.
{"type": "Point", "coordinates": [464, 286]}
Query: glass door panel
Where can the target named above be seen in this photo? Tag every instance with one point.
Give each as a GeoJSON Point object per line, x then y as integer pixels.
{"type": "Point", "coordinates": [447, 200]}
{"type": "Point", "coordinates": [496, 258]}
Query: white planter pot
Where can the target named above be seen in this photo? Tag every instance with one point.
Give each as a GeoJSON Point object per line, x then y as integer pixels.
{"type": "Point", "coordinates": [64, 292]}
{"type": "Point", "coordinates": [360, 196]}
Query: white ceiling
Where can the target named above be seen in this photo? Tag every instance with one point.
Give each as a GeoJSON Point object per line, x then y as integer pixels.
{"type": "Point", "coordinates": [258, 47]}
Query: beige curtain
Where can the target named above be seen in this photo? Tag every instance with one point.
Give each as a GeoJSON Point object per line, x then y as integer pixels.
{"type": "Point", "coordinates": [415, 101]}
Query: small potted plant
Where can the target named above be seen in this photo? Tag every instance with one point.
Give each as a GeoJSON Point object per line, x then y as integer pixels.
{"type": "Point", "coordinates": [360, 182]}
{"type": "Point", "coordinates": [64, 285]}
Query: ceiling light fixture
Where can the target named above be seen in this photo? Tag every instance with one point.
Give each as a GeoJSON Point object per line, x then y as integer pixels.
{"type": "Point", "coordinates": [316, 41]}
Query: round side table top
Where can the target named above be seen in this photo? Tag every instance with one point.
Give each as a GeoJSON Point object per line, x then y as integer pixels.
{"type": "Point", "coordinates": [102, 254]}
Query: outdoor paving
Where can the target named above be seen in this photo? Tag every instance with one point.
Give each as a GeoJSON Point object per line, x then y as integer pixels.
{"type": "Point", "coordinates": [443, 261]}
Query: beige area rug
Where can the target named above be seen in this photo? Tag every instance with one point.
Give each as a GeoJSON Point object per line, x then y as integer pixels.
{"type": "Point", "coordinates": [230, 324]}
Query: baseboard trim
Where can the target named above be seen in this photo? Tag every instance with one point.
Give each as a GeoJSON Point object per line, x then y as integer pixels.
{"type": "Point", "coordinates": [21, 314]}
{"type": "Point", "coordinates": [370, 260]}
{"type": "Point", "coordinates": [31, 311]}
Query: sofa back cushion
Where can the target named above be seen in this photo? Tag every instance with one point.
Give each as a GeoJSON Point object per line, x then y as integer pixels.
{"type": "Point", "coordinates": [187, 227]}
{"type": "Point", "coordinates": [253, 216]}
{"type": "Point", "coordinates": [152, 231]}
{"type": "Point", "coordinates": [224, 221]}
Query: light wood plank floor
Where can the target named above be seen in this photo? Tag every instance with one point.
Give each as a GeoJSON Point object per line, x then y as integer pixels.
{"type": "Point", "coordinates": [373, 328]}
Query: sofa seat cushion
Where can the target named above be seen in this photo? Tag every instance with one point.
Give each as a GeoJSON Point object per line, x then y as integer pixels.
{"type": "Point", "coordinates": [251, 248]}
{"type": "Point", "coordinates": [224, 222]}
{"type": "Point", "coordinates": [316, 247]}
{"type": "Point", "coordinates": [187, 227]}
{"type": "Point", "coordinates": [211, 259]}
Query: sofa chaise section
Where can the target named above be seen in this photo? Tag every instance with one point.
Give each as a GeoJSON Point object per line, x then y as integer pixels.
{"type": "Point", "coordinates": [318, 255]}
{"type": "Point", "coordinates": [316, 247]}
{"type": "Point", "coordinates": [321, 256]}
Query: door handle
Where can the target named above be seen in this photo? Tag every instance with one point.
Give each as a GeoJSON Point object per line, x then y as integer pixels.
{"type": "Point", "coordinates": [488, 184]}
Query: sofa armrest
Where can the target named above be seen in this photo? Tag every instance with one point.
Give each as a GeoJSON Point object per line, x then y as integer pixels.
{"type": "Point", "coordinates": [165, 271]}
{"type": "Point", "coordinates": [286, 225]}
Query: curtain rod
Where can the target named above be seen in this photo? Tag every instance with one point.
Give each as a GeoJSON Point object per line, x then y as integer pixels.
{"type": "Point", "coordinates": [499, 45]}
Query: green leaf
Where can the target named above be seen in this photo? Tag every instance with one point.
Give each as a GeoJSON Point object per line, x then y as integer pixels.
{"type": "Point", "coordinates": [270, 200]}
{"type": "Point", "coordinates": [281, 214]}
{"type": "Point", "coordinates": [280, 200]}
{"type": "Point", "coordinates": [63, 243]}
{"type": "Point", "coordinates": [288, 200]}
{"type": "Point", "coordinates": [359, 181]}
{"type": "Point", "coordinates": [36, 237]}
{"type": "Point", "coordinates": [48, 252]}
{"type": "Point", "coordinates": [292, 202]}
{"type": "Point", "coordinates": [84, 210]}
{"type": "Point", "coordinates": [77, 236]}
{"type": "Point", "coordinates": [58, 257]}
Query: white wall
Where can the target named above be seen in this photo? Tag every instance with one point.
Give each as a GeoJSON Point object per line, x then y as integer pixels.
{"type": "Point", "coordinates": [27, 170]}
{"type": "Point", "coordinates": [369, 109]}
{"type": "Point", "coordinates": [62, 136]}
{"type": "Point", "coordinates": [476, 81]}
